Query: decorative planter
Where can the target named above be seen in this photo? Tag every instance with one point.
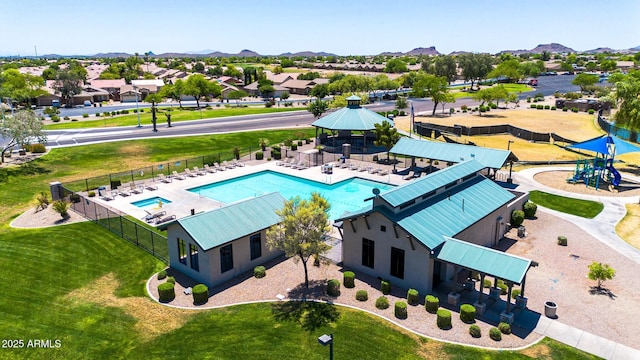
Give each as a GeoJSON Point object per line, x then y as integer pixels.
{"type": "Point", "coordinates": [550, 309]}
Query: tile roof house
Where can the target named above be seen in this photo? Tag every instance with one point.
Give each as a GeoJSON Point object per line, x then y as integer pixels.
{"type": "Point", "coordinates": [218, 245]}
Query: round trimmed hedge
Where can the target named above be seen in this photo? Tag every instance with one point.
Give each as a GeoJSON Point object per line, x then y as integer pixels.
{"type": "Point", "coordinates": [162, 274]}
{"type": "Point", "coordinates": [401, 309]}
{"type": "Point", "coordinates": [362, 295]}
{"type": "Point", "coordinates": [259, 272]}
{"type": "Point", "coordinates": [530, 209]}
{"type": "Point", "coordinates": [166, 292]}
{"type": "Point", "coordinates": [495, 334]}
{"type": "Point", "coordinates": [382, 303]}
{"type": "Point", "coordinates": [333, 287]}
{"type": "Point", "coordinates": [474, 330]}
{"type": "Point", "coordinates": [443, 319]}
{"type": "Point", "coordinates": [467, 313]}
{"type": "Point", "coordinates": [349, 279]}
{"type": "Point", "coordinates": [385, 287]}
{"type": "Point", "coordinates": [504, 328]}
{"type": "Point", "coordinates": [200, 294]}
{"type": "Point", "coordinates": [431, 303]}
{"type": "Point", "coordinates": [412, 297]}
{"type": "Point", "coordinates": [517, 218]}
{"type": "Point", "coordinates": [171, 279]}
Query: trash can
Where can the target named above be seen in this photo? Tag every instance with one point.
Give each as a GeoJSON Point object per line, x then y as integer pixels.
{"type": "Point", "coordinates": [521, 231]}
{"type": "Point", "coordinates": [346, 150]}
{"type": "Point", "coordinates": [550, 309]}
{"type": "Point", "coordinates": [102, 190]}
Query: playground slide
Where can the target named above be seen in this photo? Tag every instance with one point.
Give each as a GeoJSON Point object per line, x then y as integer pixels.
{"type": "Point", "coordinates": [616, 176]}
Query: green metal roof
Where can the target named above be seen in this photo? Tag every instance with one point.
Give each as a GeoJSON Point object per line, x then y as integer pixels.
{"type": "Point", "coordinates": [433, 181]}
{"type": "Point", "coordinates": [353, 97]}
{"type": "Point", "coordinates": [491, 158]}
{"type": "Point", "coordinates": [220, 226]}
{"type": "Point", "coordinates": [351, 118]}
{"type": "Point", "coordinates": [483, 259]}
{"type": "Point", "coordinates": [444, 214]}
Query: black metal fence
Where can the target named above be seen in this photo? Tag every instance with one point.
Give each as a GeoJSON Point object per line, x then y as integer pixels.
{"type": "Point", "coordinates": [124, 226]}
{"type": "Point", "coordinates": [610, 128]}
{"type": "Point", "coordinates": [427, 129]}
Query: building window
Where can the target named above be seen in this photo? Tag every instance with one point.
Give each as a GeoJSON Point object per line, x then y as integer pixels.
{"type": "Point", "coordinates": [193, 256]}
{"type": "Point", "coordinates": [383, 228]}
{"type": "Point", "coordinates": [368, 252]}
{"type": "Point", "coordinates": [182, 252]}
{"type": "Point", "coordinates": [397, 263]}
{"type": "Point", "coordinates": [226, 258]}
{"type": "Point", "coordinates": [255, 243]}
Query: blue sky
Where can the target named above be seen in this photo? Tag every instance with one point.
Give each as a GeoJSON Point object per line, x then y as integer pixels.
{"type": "Point", "coordinates": [342, 27]}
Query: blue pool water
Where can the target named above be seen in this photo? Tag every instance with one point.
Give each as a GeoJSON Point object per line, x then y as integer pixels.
{"type": "Point", "coordinates": [347, 195]}
{"type": "Point", "coordinates": [150, 202]}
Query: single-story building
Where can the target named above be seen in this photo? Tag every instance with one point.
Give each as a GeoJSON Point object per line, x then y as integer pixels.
{"type": "Point", "coordinates": [407, 234]}
{"type": "Point", "coordinates": [218, 245]}
{"type": "Point", "coordinates": [110, 86]}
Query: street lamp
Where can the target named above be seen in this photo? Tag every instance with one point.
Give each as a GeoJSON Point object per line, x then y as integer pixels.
{"type": "Point", "coordinates": [135, 89]}
{"type": "Point", "coordinates": [327, 339]}
{"type": "Point", "coordinates": [510, 180]}
{"type": "Point", "coordinates": [509, 144]}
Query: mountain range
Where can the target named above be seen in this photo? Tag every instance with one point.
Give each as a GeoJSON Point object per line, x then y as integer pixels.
{"type": "Point", "coordinates": [431, 51]}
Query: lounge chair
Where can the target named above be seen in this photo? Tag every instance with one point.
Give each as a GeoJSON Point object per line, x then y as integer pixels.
{"type": "Point", "coordinates": [218, 167]}
{"type": "Point", "coordinates": [281, 163]}
{"type": "Point", "coordinates": [409, 176]}
{"type": "Point", "coordinates": [189, 173]}
{"type": "Point", "coordinates": [353, 166]}
{"type": "Point", "coordinates": [106, 198]}
{"type": "Point", "coordinates": [150, 217]}
{"type": "Point", "coordinates": [288, 162]}
{"type": "Point", "coordinates": [301, 165]}
{"type": "Point", "coordinates": [383, 172]}
{"type": "Point", "coordinates": [198, 171]}
{"type": "Point", "coordinates": [417, 174]}
{"type": "Point", "coordinates": [150, 187]}
{"type": "Point", "coordinates": [362, 168]}
{"type": "Point", "coordinates": [165, 219]}
{"type": "Point", "coordinates": [136, 189]}
{"type": "Point", "coordinates": [209, 169]}
{"type": "Point", "coordinates": [228, 165]}
{"type": "Point", "coordinates": [164, 179]}
{"type": "Point", "coordinates": [345, 164]}
{"type": "Point", "coordinates": [373, 170]}
{"type": "Point", "coordinates": [123, 192]}
{"type": "Point", "coordinates": [177, 176]}
{"type": "Point", "coordinates": [237, 164]}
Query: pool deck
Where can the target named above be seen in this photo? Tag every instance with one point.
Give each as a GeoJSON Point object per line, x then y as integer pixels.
{"type": "Point", "coordinates": [184, 201]}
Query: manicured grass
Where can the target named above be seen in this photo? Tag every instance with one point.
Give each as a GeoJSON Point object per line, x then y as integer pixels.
{"type": "Point", "coordinates": [43, 266]}
{"type": "Point", "coordinates": [517, 88]}
{"type": "Point", "coordinates": [584, 208]}
{"type": "Point", "coordinates": [177, 115]}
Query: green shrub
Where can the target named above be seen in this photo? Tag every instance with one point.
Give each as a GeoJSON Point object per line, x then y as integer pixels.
{"type": "Point", "coordinates": [562, 240]}
{"type": "Point", "coordinates": [259, 155]}
{"type": "Point", "coordinates": [574, 109]}
{"type": "Point", "coordinates": [503, 287]}
{"type": "Point", "coordinates": [483, 108]}
{"type": "Point", "coordinates": [565, 109]}
{"type": "Point", "coordinates": [474, 330]}
{"type": "Point", "coordinates": [486, 283]}
{"type": "Point", "coordinates": [534, 106]}
{"type": "Point", "coordinates": [97, 114]}
{"type": "Point", "coordinates": [443, 319]}
{"type": "Point", "coordinates": [530, 209]}
{"type": "Point", "coordinates": [412, 297]}
{"type": "Point", "coordinates": [349, 279]}
{"type": "Point", "coordinates": [55, 118]}
{"type": "Point", "coordinates": [382, 303]}
{"type": "Point", "coordinates": [166, 292]}
{"type": "Point", "coordinates": [362, 295]}
{"type": "Point", "coordinates": [504, 328]}
{"type": "Point", "coordinates": [515, 293]}
{"type": "Point", "coordinates": [277, 155]}
{"type": "Point", "coordinates": [540, 106]}
{"type": "Point", "coordinates": [294, 147]}
{"type": "Point", "coordinates": [333, 287]}
{"type": "Point", "coordinates": [553, 108]}
{"type": "Point", "coordinates": [517, 218]}
{"type": "Point", "coordinates": [162, 274]}
{"type": "Point", "coordinates": [259, 272]}
{"type": "Point", "coordinates": [171, 279]}
{"type": "Point", "coordinates": [385, 287]}
{"type": "Point", "coordinates": [591, 111]}
{"type": "Point", "coordinates": [200, 294]}
{"type": "Point", "coordinates": [467, 313]}
{"type": "Point", "coordinates": [37, 148]}
{"type": "Point", "coordinates": [92, 194]}
{"type": "Point", "coordinates": [493, 106]}
{"type": "Point", "coordinates": [547, 107]}
{"type": "Point", "coordinates": [300, 143]}
{"type": "Point", "coordinates": [401, 309]}
{"type": "Point", "coordinates": [495, 334]}
{"type": "Point", "coordinates": [431, 303]}
{"type": "Point", "coordinates": [67, 118]}
{"type": "Point", "coordinates": [85, 115]}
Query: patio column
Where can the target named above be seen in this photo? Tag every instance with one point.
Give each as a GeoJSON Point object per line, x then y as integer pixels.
{"type": "Point", "coordinates": [481, 288]}
{"type": "Point", "coordinates": [509, 287]}
{"type": "Point", "coordinates": [480, 307]}
{"type": "Point", "coordinates": [524, 280]}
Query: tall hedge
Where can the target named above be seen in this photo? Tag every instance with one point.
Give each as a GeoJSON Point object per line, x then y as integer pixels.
{"type": "Point", "coordinates": [412, 297]}
{"type": "Point", "coordinates": [443, 319]}
{"type": "Point", "coordinates": [333, 287]}
{"type": "Point", "coordinates": [385, 287]}
{"type": "Point", "coordinates": [166, 293]}
{"type": "Point", "coordinates": [530, 209]}
{"type": "Point", "coordinates": [467, 313]}
{"type": "Point", "coordinates": [431, 303]}
{"type": "Point", "coordinates": [401, 309]}
{"type": "Point", "coordinates": [349, 279]}
{"type": "Point", "coordinates": [517, 218]}
{"type": "Point", "coordinates": [200, 294]}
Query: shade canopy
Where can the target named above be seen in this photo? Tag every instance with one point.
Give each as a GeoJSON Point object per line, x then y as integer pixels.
{"type": "Point", "coordinates": [607, 144]}
{"type": "Point", "coordinates": [352, 117]}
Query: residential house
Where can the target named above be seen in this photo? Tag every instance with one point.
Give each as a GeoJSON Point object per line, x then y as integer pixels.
{"type": "Point", "coordinates": [221, 244]}
{"type": "Point", "coordinates": [129, 93]}
{"type": "Point", "coordinates": [110, 86]}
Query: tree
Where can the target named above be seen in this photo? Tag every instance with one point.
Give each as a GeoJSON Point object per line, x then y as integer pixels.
{"type": "Point", "coordinates": [237, 95]}
{"type": "Point", "coordinates": [509, 69]}
{"type": "Point", "coordinates": [302, 229]}
{"type": "Point", "coordinates": [232, 71]}
{"type": "Point", "coordinates": [626, 94]}
{"type": "Point", "coordinates": [431, 86]}
{"type": "Point", "coordinates": [320, 91]}
{"type": "Point", "coordinates": [585, 80]}
{"type": "Point", "coordinates": [198, 86]}
{"type": "Point", "coordinates": [68, 83]}
{"type": "Point", "coordinates": [401, 103]}
{"type": "Point", "coordinates": [198, 67]}
{"type": "Point", "coordinates": [608, 65]}
{"type": "Point", "coordinates": [386, 135]}
{"type": "Point", "coordinates": [445, 66]}
{"type": "Point", "coordinates": [18, 87]}
{"type": "Point", "coordinates": [21, 129]}
{"type": "Point", "coordinates": [285, 95]}
{"type": "Point", "coordinates": [475, 67]}
{"type": "Point", "coordinates": [317, 107]}
{"type": "Point", "coordinates": [600, 272]}
{"type": "Point", "coordinates": [277, 69]}
{"type": "Point", "coordinates": [395, 66]}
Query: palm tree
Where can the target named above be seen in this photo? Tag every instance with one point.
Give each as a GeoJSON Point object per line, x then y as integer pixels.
{"type": "Point", "coordinates": [386, 136]}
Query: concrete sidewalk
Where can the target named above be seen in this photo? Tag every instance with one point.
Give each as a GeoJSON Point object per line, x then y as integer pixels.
{"type": "Point", "coordinates": [585, 341]}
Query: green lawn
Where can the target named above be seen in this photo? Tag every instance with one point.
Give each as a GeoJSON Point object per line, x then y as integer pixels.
{"type": "Point", "coordinates": [584, 208]}
{"type": "Point", "coordinates": [177, 115]}
{"type": "Point", "coordinates": [41, 267]}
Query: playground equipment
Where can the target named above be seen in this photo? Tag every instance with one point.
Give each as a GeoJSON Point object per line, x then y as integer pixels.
{"type": "Point", "coordinates": [600, 168]}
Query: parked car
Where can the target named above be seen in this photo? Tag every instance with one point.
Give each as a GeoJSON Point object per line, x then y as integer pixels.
{"type": "Point", "coordinates": [87, 103]}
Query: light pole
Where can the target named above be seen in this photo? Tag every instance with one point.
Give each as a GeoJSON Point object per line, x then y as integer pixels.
{"type": "Point", "coordinates": [510, 180]}
{"type": "Point", "coordinates": [135, 89]}
{"type": "Point", "coordinates": [325, 340]}
{"type": "Point", "coordinates": [509, 144]}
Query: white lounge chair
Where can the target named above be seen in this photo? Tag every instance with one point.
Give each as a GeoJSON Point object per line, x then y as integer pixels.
{"type": "Point", "coordinates": [209, 169]}
{"type": "Point", "coordinates": [136, 189]}
{"type": "Point", "coordinates": [153, 216]}
{"type": "Point", "coordinates": [383, 172]}
{"type": "Point", "coordinates": [151, 187]}
{"type": "Point", "coordinates": [237, 164]}
{"type": "Point", "coordinates": [177, 176]}
{"type": "Point", "coordinates": [198, 171]}
{"type": "Point", "coordinates": [164, 179]}
{"type": "Point", "coordinates": [218, 167]}
{"type": "Point", "coordinates": [228, 165]}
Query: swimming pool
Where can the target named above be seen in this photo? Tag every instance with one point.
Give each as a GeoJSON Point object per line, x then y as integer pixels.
{"type": "Point", "coordinates": [346, 195]}
{"type": "Point", "coordinates": [151, 202]}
